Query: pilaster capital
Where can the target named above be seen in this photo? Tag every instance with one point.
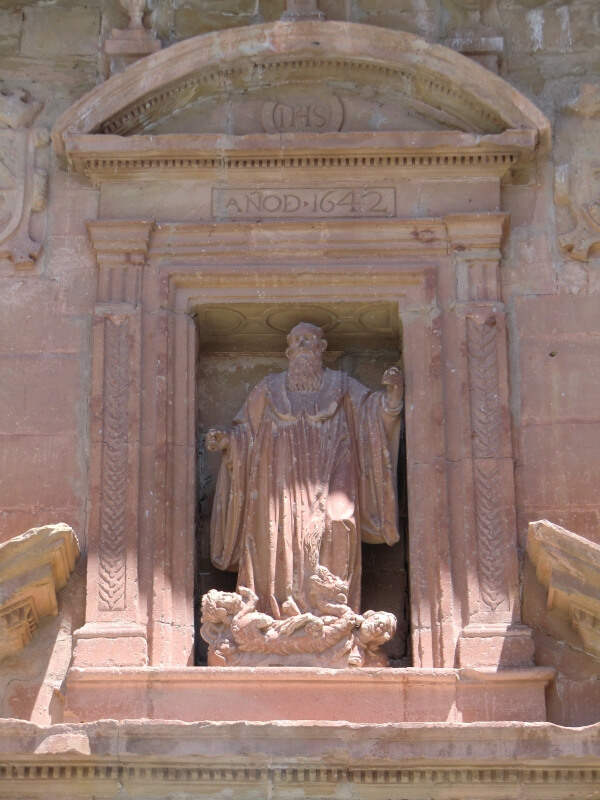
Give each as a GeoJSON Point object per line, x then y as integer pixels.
{"type": "Point", "coordinates": [476, 236]}
{"type": "Point", "coordinates": [121, 251]}
{"type": "Point", "coordinates": [120, 243]}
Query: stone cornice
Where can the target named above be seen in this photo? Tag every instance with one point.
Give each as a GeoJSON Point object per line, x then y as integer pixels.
{"type": "Point", "coordinates": [568, 566]}
{"type": "Point", "coordinates": [368, 155]}
{"type": "Point", "coordinates": [158, 758]}
{"type": "Point", "coordinates": [33, 568]}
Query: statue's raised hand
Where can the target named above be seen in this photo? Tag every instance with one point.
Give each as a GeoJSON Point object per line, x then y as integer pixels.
{"type": "Point", "coordinates": [393, 380]}
{"type": "Point", "coordinates": [217, 439]}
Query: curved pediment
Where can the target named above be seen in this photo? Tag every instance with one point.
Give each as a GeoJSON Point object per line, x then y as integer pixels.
{"type": "Point", "coordinates": [301, 77]}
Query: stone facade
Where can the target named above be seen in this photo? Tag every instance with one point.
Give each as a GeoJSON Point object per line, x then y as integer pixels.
{"type": "Point", "coordinates": [417, 178]}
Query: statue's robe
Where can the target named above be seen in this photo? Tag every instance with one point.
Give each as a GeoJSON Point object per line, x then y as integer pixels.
{"type": "Point", "coordinates": [306, 477]}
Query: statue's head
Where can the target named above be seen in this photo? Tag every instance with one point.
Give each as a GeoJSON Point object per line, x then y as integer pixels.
{"type": "Point", "coordinates": [305, 338]}
{"type": "Point", "coordinates": [305, 354]}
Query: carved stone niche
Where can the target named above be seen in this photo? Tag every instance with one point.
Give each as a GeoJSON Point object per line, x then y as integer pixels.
{"type": "Point", "coordinates": [238, 344]}
{"type": "Point", "coordinates": [246, 176]}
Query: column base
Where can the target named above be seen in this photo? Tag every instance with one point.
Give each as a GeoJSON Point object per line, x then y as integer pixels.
{"type": "Point", "coordinates": [495, 646]}
{"type": "Point", "coordinates": [110, 644]}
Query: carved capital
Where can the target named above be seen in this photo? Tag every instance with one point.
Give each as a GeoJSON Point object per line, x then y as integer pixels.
{"type": "Point", "coordinates": [121, 250]}
{"type": "Point", "coordinates": [476, 232]}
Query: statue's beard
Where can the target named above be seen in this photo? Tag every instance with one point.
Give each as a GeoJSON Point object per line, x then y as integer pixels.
{"type": "Point", "coordinates": [305, 373]}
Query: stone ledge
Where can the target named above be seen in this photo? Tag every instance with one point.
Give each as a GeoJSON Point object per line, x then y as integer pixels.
{"type": "Point", "coordinates": [33, 568]}
{"type": "Point", "coordinates": [568, 566]}
{"type": "Point", "coordinates": [277, 693]}
{"type": "Point", "coordinates": [245, 759]}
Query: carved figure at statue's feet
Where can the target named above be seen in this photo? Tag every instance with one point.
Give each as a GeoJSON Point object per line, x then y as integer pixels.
{"type": "Point", "coordinates": [334, 636]}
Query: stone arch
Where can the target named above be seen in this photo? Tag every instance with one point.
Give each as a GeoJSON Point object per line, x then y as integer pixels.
{"type": "Point", "coordinates": [430, 81]}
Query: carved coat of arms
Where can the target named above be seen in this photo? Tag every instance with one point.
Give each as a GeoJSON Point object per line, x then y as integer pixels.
{"type": "Point", "coordinates": [22, 186]}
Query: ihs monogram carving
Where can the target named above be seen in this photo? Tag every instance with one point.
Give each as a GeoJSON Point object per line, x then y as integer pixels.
{"type": "Point", "coordinates": [23, 185]}
{"type": "Point", "coordinates": [111, 567]}
{"type": "Point", "coordinates": [486, 432]}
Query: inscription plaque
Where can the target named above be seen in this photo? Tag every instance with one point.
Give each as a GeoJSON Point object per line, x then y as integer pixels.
{"type": "Point", "coordinates": [365, 201]}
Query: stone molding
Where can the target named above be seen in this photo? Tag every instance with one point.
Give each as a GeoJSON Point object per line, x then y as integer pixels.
{"type": "Point", "coordinates": [126, 243]}
{"type": "Point", "coordinates": [468, 97]}
{"type": "Point", "coordinates": [386, 695]}
{"type": "Point", "coordinates": [568, 566]}
{"type": "Point", "coordinates": [207, 156]}
{"type": "Point", "coordinates": [33, 568]}
{"type": "Point", "coordinates": [156, 759]}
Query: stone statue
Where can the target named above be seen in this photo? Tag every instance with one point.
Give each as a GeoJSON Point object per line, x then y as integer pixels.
{"type": "Point", "coordinates": [308, 471]}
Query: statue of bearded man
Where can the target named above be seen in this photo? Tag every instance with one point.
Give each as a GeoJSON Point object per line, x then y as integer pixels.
{"type": "Point", "coordinates": [308, 471]}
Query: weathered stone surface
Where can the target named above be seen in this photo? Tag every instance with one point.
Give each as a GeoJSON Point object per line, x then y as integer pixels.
{"type": "Point", "coordinates": [33, 568]}
{"type": "Point", "coordinates": [568, 566]}
{"type": "Point", "coordinates": [305, 693]}
{"type": "Point", "coordinates": [79, 29]}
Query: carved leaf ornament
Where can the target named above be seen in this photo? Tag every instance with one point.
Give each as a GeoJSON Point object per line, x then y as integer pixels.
{"type": "Point", "coordinates": [111, 568]}
{"type": "Point", "coordinates": [486, 432]}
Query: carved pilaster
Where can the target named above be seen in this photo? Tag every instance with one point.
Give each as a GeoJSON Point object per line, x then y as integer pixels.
{"type": "Point", "coordinates": [486, 432]}
{"type": "Point", "coordinates": [113, 606]}
{"type": "Point", "coordinates": [482, 483]}
{"type": "Point", "coordinates": [113, 495]}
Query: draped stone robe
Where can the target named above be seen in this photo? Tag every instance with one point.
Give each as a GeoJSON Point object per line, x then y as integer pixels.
{"type": "Point", "coordinates": [307, 475]}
